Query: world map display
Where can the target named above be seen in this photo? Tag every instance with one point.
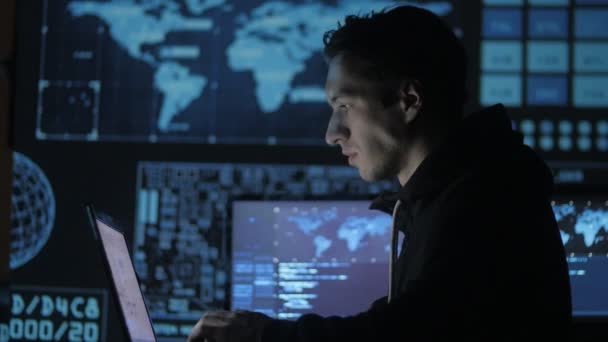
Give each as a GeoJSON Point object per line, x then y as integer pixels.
{"type": "Point", "coordinates": [304, 231]}
{"type": "Point", "coordinates": [353, 231]}
{"type": "Point", "coordinates": [190, 71]}
{"type": "Point", "coordinates": [292, 257]}
{"type": "Point", "coordinates": [583, 226]}
{"type": "Point", "coordinates": [350, 230]}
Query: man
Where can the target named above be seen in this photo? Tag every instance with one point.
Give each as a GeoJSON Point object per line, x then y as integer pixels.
{"type": "Point", "coordinates": [483, 258]}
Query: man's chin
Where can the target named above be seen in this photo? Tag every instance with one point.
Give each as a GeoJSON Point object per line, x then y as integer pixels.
{"type": "Point", "coordinates": [366, 176]}
{"type": "Point", "coordinates": [370, 176]}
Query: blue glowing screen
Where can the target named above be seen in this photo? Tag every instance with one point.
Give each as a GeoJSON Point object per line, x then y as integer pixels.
{"type": "Point", "coordinates": [210, 71]}
{"type": "Point", "coordinates": [297, 257]}
{"type": "Point", "coordinates": [584, 230]}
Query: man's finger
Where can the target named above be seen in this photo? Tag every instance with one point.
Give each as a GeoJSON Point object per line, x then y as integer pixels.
{"type": "Point", "coordinates": [211, 326]}
{"type": "Point", "coordinates": [202, 329]}
{"type": "Point", "coordinates": [196, 332]}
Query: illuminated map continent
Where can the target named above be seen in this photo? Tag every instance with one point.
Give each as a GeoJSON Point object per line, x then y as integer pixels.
{"type": "Point", "coordinates": [356, 229]}
{"type": "Point", "coordinates": [132, 27]}
{"type": "Point", "coordinates": [321, 245]}
{"type": "Point", "coordinates": [586, 222]}
{"type": "Point", "coordinates": [353, 231]}
{"type": "Point", "coordinates": [589, 224]}
{"type": "Point", "coordinates": [308, 222]}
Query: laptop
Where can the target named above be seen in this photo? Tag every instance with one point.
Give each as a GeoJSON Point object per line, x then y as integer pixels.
{"type": "Point", "coordinates": [125, 285]}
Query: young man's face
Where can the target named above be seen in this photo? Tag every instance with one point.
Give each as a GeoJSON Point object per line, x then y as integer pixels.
{"type": "Point", "coordinates": [372, 136]}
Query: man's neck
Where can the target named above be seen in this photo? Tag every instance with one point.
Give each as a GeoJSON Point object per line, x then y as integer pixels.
{"type": "Point", "coordinates": [410, 167]}
{"type": "Point", "coordinates": [421, 147]}
{"type": "Point", "coordinates": [417, 154]}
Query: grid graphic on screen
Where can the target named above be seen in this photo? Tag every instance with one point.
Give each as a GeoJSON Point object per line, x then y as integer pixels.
{"type": "Point", "coordinates": [547, 62]}
{"type": "Point", "coordinates": [545, 53]}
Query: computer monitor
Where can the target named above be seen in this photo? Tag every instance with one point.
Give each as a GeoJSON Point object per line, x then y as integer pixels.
{"type": "Point", "coordinates": [583, 224]}
{"type": "Point", "coordinates": [297, 257]}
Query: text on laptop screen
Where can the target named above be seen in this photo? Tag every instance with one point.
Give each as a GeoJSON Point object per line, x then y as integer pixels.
{"type": "Point", "coordinates": [129, 295]}
{"type": "Point", "coordinates": [323, 257]}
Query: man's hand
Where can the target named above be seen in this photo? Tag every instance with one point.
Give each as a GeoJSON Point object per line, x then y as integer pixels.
{"type": "Point", "coordinates": [229, 326]}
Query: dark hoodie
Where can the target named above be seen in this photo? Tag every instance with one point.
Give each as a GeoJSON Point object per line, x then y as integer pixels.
{"type": "Point", "coordinates": [482, 258]}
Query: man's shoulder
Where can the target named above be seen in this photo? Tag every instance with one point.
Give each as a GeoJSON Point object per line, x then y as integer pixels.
{"type": "Point", "coordinates": [469, 191]}
{"type": "Point", "coordinates": [473, 200]}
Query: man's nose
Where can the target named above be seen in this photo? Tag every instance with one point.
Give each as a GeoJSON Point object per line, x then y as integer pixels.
{"type": "Point", "coordinates": [336, 130]}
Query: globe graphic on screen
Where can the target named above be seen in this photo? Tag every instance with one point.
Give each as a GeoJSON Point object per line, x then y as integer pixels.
{"type": "Point", "coordinates": [32, 210]}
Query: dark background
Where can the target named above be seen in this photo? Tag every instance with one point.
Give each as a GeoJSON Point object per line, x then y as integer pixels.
{"type": "Point", "coordinates": [105, 172]}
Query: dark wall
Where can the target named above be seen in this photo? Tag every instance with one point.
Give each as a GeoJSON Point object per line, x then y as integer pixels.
{"type": "Point", "coordinates": [106, 172]}
{"type": "Point", "coordinates": [7, 24]}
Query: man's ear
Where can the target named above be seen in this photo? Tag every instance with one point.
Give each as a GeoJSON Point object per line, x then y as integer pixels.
{"type": "Point", "coordinates": [410, 101]}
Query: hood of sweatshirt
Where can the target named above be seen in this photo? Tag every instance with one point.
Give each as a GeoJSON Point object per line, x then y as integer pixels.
{"type": "Point", "coordinates": [484, 140]}
{"type": "Point", "coordinates": [484, 143]}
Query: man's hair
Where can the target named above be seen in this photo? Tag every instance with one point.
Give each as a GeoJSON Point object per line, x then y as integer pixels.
{"type": "Point", "coordinates": [405, 43]}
